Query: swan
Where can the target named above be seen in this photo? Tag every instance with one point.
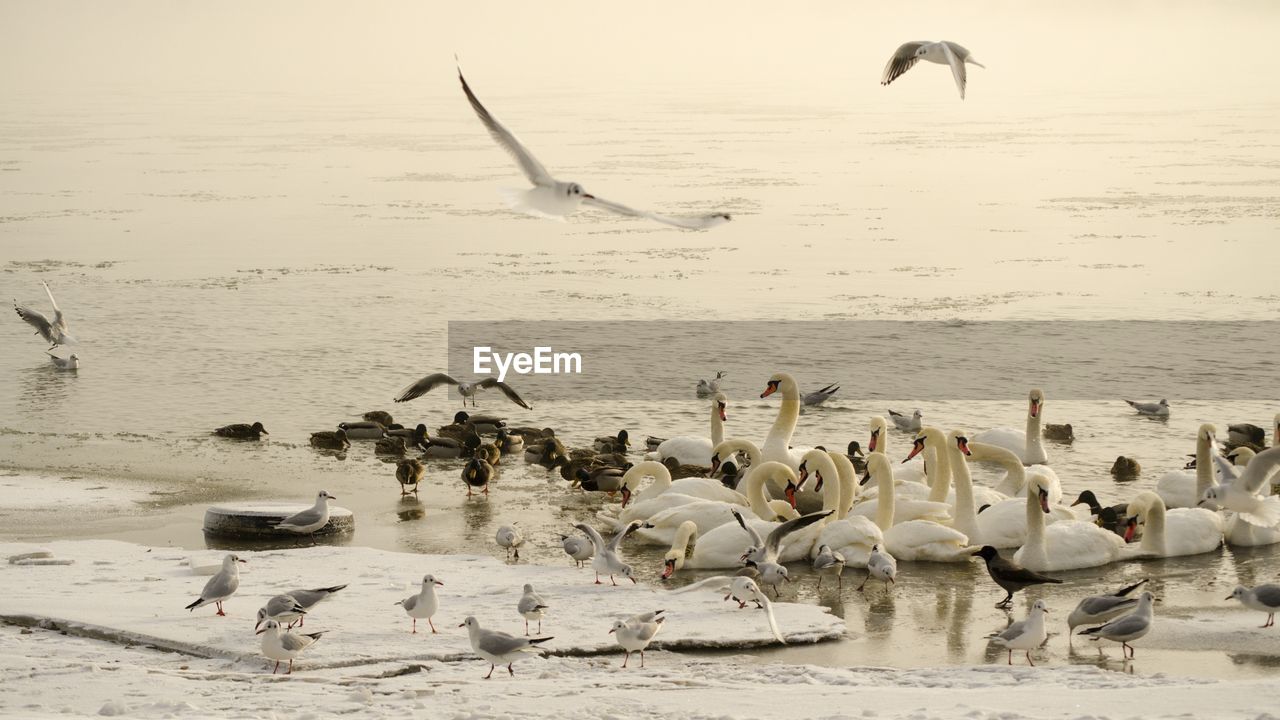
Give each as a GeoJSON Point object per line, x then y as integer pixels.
{"type": "Point", "coordinates": [660, 529]}
{"type": "Point", "coordinates": [1066, 544]}
{"type": "Point", "coordinates": [852, 536]}
{"type": "Point", "coordinates": [879, 442]}
{"type": "Point", "coordinates": [691, 450]}
{"type": "Point", "coordinates": [1237, 531]}
{"type": "Point", "coordinates": [1027, 444]}
{"type": "Point", "coordinates": [663, 494]}
{"type": "Point", "coordinates": [906, 506]}
{"type": "Point", "coordinates": [1185, 488]}
{"type": "Point", "coordinates": [913, 539]}
{"type": "Point", "coordinates": [777, 445]}
{"type": "Point", "coordinates": [1171, 533]}
{"type": "Point", "coordinates": [964, 515]}
{"type": "Point", "coordinates": [730, 448]}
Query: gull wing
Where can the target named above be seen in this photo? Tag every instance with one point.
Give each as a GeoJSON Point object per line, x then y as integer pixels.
{"type": "Point", "coordinates": [58, 320]}
{"type": "Point", "coordinates": [35, 319]}
{"type": "Point", "coordinates": [492, 382]}
{"type": "Point", "coordinates": [756, 540]}
{"type": "Point", "coordinates": [424, 386]}
{"type": "Point", "coordinates": [1255, 474]}
{"type": "Point", "coordinates": [306, 517]}
{"type": "Point", "coordinates": [529, 165]}
{"type": "Point", "coordinates": [902, 60]}
{"type": "Point", "coordinates": [957, 67]}
{"type": "Point", "coordinates": [591, 533]}
{"type": "Point", "coordinates": [616, 540]}
{"type": "Point", "coordinates": [294, 642]}
{"type": "Point", "coordinates": [695, 222]}
{"type": "Point", "coordinates": [500, 644]}
{"type": "Point", "coordinates": [773, 543]}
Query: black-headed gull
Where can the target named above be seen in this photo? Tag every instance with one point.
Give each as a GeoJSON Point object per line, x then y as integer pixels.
{"type": "Point", "coordinates": [1263, 598]}
{"type": "Point", "coordinates": [1101, 608]}
{"type": "Point", "coordinates": [607, 559]}
{"type": "Point", "coordinates": [1127, 628]}
{"type": "Point", "coordinates": [635, 633]}
{"type": "Point", "coordinates": [53, 331]}
{"type": "Point", "coordinates": [423, 604]}
{"type": "Point", "coordinates": [578, 548]}
{"type": "Point", "coordinates": [499, 648]}
{"type": "Point", "coordinates": [310, 520]}
{"type": "Point", "coordinates": [221, 586]}
{"type": "Point", "coordinates": [465, 390]}
{"type": "Point", "coordinates": [71, 362]}
{"type": "Point", "coordinates": [829, 562]}
{"type": "Point", "coordinates": [279, 644]}
{"type": "Point", "coordinates": [944, 52]}
{"type": "Point", "coordinates": [880, 565]}
{"type": "Point", "coordinates": [510, 537]}
{"type": "Point", "coordinates": [1153, 409]}
{"type": "Point", "coordinates": [555, 198]}
{"type": "Point", "coordinates": [1025, 635]}
{"type": "Point", "coordinates": [532, 607]}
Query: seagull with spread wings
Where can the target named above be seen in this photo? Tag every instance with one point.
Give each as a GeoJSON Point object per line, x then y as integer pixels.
{"type": "Point", "coordinates": [554, 198]}
{"type": "Point", "coordinates": [943, 53]}
{"type": "Point", "coordinates": [54, 332]}
{"type": "Point", "coordinates": [466, 390]}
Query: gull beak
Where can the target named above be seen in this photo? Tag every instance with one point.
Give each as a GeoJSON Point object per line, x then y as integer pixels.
{"type": "Point", "coordinates": [610, 632]}
{"type": "Point", "coordinates": [1228, 597]}
{"type": "Point", "coordinates": [260, 631]}
{"type": "Point", "coordinates": [240, 560]}
{"type": "Point", "coordinates": [589, 196]}
{"type": "Point", "coordinates": [634, 581]}
{"type": "Point", "coordinates": [440, 583]}
{"type": "Point", "coordinates": [461, 624]}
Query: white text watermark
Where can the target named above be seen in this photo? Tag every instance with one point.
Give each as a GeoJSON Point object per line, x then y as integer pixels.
{"type": "Point", "coordinates": [542, 361]}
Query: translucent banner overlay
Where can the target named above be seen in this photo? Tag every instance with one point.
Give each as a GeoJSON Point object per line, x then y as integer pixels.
{"type": "Point", "coordinates": [938, 360]}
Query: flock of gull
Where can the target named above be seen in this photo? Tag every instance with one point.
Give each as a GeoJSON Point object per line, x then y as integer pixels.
{"type": "Point", "coordinates": [718, 502]}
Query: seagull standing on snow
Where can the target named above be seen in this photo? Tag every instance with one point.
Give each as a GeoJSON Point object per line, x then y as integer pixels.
{"type": "Point", "coordinates": [221, 586]}
{"type": "Point", "coordinates": [635, 633]}
{"type": "Point", "coordinates": [424, 604]}
{"type": "Point", "coordinates": [531, 607]}
{"type": "Point", "coordinates": [499, 648]}
{"type": "Point", "coordinates": [465, 390]}
{"type": "Point", "coordinates": [607, 560]}
{"type": "Point", "coordinates": [294, 605]}
{"type": "Point", "coordinates": [943, 53]}
{"type": "Point", "coordinates": [279, 644]}
{"type": "Point", "coordinates": [54, 332]}
{"type": "Point", "coordinates": [1025, 635]}
{"type": "Point", "coordinates": [555, 198]}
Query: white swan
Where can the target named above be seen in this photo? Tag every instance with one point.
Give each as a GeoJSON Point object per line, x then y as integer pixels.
{"type": "Point", "coordinates": [906, 506]}
{"type": "Point", "coordinates": [964, 513]}
{"type": "Point", "coordinates": [661, 528]}
{"type": "Point", "coordinates": [1064, 545]}
{"type": "Point", "coordinates": [913, 539]}
{"type": "Point", "coordinates": [879, 442]}
{"type": "Point", "coordinates": [851, 536]}
{"type": "Point", "coordinates": [1185, 488]}
{"type": "Point", "coordinates": [692, 450]}
{"type": "Point", "coordinates": [730, 448]}
{"type": "Point", "coordinates": [663, 494]}
{"type": "Point", "coordinates": [777, 444]}
{"type": "Point", "coordinates": [1172, 533]}
{"type": "Point", "coordinates": [1026, 444]}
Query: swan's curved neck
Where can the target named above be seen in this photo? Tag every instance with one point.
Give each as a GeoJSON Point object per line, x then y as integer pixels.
{"type": "Point", "coordinates": [1204, 465]}
{"type": "Point", "coordinates": [652, 468]}
{"type": "Point", "coordinates": [757, 500]}
{"type": "Point", "coordinates": [939, 471]}
{"type": "Point", "coordinates": [848, 486]}
{"type": "Point", "coordinates": [966, 515]}
{"type": "Point", "coordinates": [1034, 447]}
{"type": "Point", "coordinates": [784, 426]}
{"type": "Point", "coordinates": [1035, 519]}
{"type": "Point", "coordinates": [717, 425]}
{"type": "Point", "coordinates": [884, 500]}
{"type": "Point", "coordinates": [1153, 532]}
{"type": "Point", "coordinates": [735, 445]}
{"type": "Point", "coordinates": [879, 427]}
{"type": "Point", "coordinates": [831, 490]}
{"type": "Point", "coordinates": [1016, 477]}
{"type": "Point", "coordinates": [685, 534]}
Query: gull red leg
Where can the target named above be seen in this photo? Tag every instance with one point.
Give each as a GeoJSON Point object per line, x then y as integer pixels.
{"type": "Point", "coordinates": [1029, 662]}
{"type": "Point", "coordinates": [626, 659]}
{"type": "Point", "coordinates": [486, 677]}
{"type": "Point", "coordinates": [277, 667]}
{"type": "Point", "coordinates": [510, 670]}
{"type": "Point", "coordinates": [433, 627]}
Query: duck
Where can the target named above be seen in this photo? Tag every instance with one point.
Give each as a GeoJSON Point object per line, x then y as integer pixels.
{"type": "Point", "coordinates": [409, 474]}
{"type": "Point", "coordinates": [330, 439]}
{"type": "Point", "coordinates": [1171, 533]}
{"type": "Point", "coordinates": [412, 436]}
{"type": "Point", "coordinates": [1066, 544]}
{"type": "Point", "coordinates": [856, 456]}
{"type": "Point", "coordinates": [476, 474]}
{"type": "Point", "coordinates": [1112, 517]}
{"type": "Point", "coordinates": [379, 416]}
{"type": "Point", "coordinates": [1026, 444]}
{"type": "Point", "coordinates": [552, 454]}
{"type": "Point", "coordinates": [1246, 435]}
{"type": "Point", "coordinates": [679, 471]}
{"type": "Point", "coordinates": [459, 428]}
{"type": "Point", "coordinates": [693, 450]}
{"type": "Point", "coordinates": [606, 479]}
{"type": "Point", "coordinates": [363, 430]}
{"type": "Point", "coordinates": [531, 435]}
{"type": "Point", "coordinates": [1184, 489]}
{"type": "Point", "coordinates": [242, 431]}
{"type": "Point", "coordinates": [488, 452]}
{"type": "Point", "coordinates": [390, 445]}
{"type": "Point", "coordinates": [619, 443]}
{"type": "Point", "coordinates": [442, 447]}
{"type": "Point", "coordinates": [1063, 434]}
{"type": "Point", "coordinates": [918, 540]}
{"type": "Point", "coordinates": [484, 424]}
{"type": "Point", "coordinates": [1125, 469]}
{"type": "Point", "coordinates": [509, 444]}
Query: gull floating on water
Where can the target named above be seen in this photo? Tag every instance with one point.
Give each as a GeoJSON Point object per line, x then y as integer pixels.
{"type": "Point", "coordinates": [279, 644]}
{"type": "Point", "coordinates": [907, 424]}
{"type": "Point", "coordinates": [310, 520]}
{"type": "Point", "coordinates": [635, 633]}
{"type": "Point", "coordinates": [221, 586]}
{"type": "Point", "coordinates": [499, 648]}
{"type": "Point", "coordinates": [554, 198]}
{"type": "Point", "coordinates": [819, 396]}
{"type": "Point", "coordinates": [1263, 598]}
{"type": "Point", "coordinates": [53, 331]}
{"type": "Point", "coordinates": [1154, 409]}
{"type": "Point", "coordinates": [424, 604]}
{"type": "Point", "coordinates": [466, 390]}
{"type": "Point", "coordinates": [1127, 628]}
{"type": "Point", "coordinates": [68, 363]}
{"type": "Point", "coordinates": [1025, 635]}
{"type": "Point", "coordinates": [943, 53]}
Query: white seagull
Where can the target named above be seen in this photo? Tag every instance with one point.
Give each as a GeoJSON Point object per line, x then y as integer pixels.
{"type": "Point", "coordinates": [54, 332]}
{"type": "Point", "coordinates": [1127, 628]}
{"type": "Point", "coordinates": [68, 363]}
{"type": "Point", "coordinates": [1242, 494]}
{"type": "Point", "coordinates": [221, 586]}
{"type": "Point", "coordinates": [943, 53]}
{"type": "Point", "coordinates": [607, 559]}
{"type": "Point", "coordinates": [279, 644]}
{"type": "Point", "coordinates": [578, 548]}
{"type": "Point", "coordinates": [531, 607]}
{"type": "Point", "coordinates": [499, 648]}
{"type": "Point", "coordinates": [1025, 635]}
{"type": "Point", "coordinates": [1263, 598]}
{"type": "Point", "coordinates": [1101, 608]}
{"type": "Point", "coordinates": [465, 390]}
{"type": "Point", "coordinates": [1154, 409]}
{"type": "Point", "coordinates": [510, 537]}
{"type": "Point", "coordinates": [294, 605]}
{"type": "Point", "coordinates": [310, 520]}
{"type": "Point", "coordinates": [880, 565]}
{"type": "Point", "coordinates": [555, 198]}
{"type": "Point", "coordinates": [424, 604]}
{"type": "Point", "coordinates": [635, 633]}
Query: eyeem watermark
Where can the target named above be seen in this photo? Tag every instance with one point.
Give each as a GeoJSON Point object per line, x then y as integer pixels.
{"type": "Point", "coordinates": [543, 361]}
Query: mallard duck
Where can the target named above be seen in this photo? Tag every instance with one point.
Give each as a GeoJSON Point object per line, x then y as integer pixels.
{"type": "Point", "coordinates": [531, 435]}
{"type": "Point", "coordinates": [409, 473]}
{"type": "Point", "coordinates": [442, 447]}
{"type": "Point", "coordinates": [458, 429]}
{"type": "Point", "coordinates": [365, 430]}
{"type": "Point", "coordinates": [381, 417]}
{"type": "Point", "coordinates": [390, 445]}
{"type": "Point", "coordinates": [1059, 433]}
{"type": "Point", "coordinates": [615, 444]}
{"type": "Point", "coordinates": [854, 453]}
{"type": "Point", "coordinates": [242, 431]}
{"type": "Point", "coordinates": [476, 474]}
{"type": "Point", "coordinates": [412, 436]}
{"type": "Point", "coordinates": [509, 444]}
{"type": "Point", "coordinates": [488, 452]}
{"type": "Point", "coordinates": [486, 424]}
{"type": "Point", "coordinates": [1125, 468]}
{"type": "Point", "coordinates": [551, 455]}
{"type": "Point", "coordinates": [679, 471]}
{"type": "Point", "coordinates": [1109, 517]}
{"type": "Point", "coordinates": [652, 442]}
{"type": "Point", "coordinates": [330, 440]}
{"type": "Point", "coordinates": [602, 479]}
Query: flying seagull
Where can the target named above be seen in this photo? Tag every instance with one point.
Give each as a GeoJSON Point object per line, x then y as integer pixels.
{"type": "Point", "coordinates": [54, 332]}
{"type": "Point", "coordinates": [943, 53]}
{"type": "Point", "coordinates": [554, 198]}
{"type": "Point", "coordinates": [466, 390]}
